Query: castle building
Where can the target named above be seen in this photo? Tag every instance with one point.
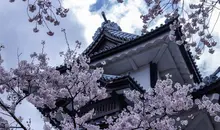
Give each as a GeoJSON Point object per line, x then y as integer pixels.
{"type": "Point", "coordinates": [137, 62]}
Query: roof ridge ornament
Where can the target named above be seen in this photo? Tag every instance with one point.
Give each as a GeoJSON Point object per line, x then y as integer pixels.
{"type": "Point", "coordinates": [104, 17]}
{"type": "Point", "coordinates": [107, 24]}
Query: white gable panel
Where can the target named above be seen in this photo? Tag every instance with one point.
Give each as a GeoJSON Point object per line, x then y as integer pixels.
{"type": "Point", "coordinates": [142, 76]}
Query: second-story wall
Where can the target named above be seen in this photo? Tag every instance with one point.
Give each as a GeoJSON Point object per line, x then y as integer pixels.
{"type": "Point", "coordinates": [142, 76]}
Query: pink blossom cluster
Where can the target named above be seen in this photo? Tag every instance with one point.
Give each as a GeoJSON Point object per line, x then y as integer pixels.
{"type": "Point", "coordinates": [43, 12]}
{"type": "Point", "coordinates": [158, 108]}
{"type": "Point", "coordinates": [78, 83]}
{"type": "Point", "coordinates": [44, 86]}
{"type": "Point", "coordinates": [193, 22]}
{"type": "Point", "coordinates": [196, 24]}
{"type": "Point", "coordinates": [4, 124]}
{"type": "Point", "coordinates": [212, 108]}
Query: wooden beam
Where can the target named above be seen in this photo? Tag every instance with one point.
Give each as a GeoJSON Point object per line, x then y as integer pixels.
{"type": "Point", "coordinates": [153, 74]}
{"type": "Point", "coordinates": [132, 63]}
{"type": "Point", "coordinates": [160, 53]}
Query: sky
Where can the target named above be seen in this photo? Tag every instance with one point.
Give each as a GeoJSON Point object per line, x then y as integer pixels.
{"type": "Point", "coordinates": [83, 19]}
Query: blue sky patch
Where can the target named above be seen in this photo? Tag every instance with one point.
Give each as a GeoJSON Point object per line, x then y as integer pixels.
{"type": "Point", "coordinates": [99, 4]}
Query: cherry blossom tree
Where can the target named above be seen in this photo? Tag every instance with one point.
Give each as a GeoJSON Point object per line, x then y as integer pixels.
{"type": "Point", "coordinates": [197, 20]}
{"type": "Point", "coordinates": [159, 108]}
{"type": "Point", "coordinates": [44, 86]}
{"type": "Point", "coordinates": [194, 19]}
{"type": "Point", "coordinates": [44, 12]}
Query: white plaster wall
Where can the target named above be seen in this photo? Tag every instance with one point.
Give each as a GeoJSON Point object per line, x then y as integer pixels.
{"type": "Point", "coordinates": [142, 76]}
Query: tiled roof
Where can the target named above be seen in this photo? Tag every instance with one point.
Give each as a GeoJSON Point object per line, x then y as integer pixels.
{"type": "Point", "coordinates": [118, 34]}
{"type": "Point", "coordinates": [112, 29]}
{"type": "Point", "coordinates": [208, 88]}
{"type": "Point", "coordinates": [208, 80]}
{"type": "Point", "coordinates": [108, 77]}
{"type": "Point", "coordinates": [113, 78]}
{"type": "Point", "coordinates": [211, 85]}
{"type": "Point", "coordinates": [122, 35]}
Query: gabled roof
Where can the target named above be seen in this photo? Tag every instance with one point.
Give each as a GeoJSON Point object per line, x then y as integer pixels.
{"type": "Point", "coordinates": [111, 31]}
{"type": "Point", "coordinates": [135, 40]}
{"type": "Point", "coordinates": [114, 82]}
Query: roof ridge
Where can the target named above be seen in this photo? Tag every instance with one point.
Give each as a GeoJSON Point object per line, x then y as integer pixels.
{"type": "Point", "coordinates": [122, 35]}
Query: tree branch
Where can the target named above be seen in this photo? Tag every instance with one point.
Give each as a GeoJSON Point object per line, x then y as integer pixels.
{"type": "Point", "coordinates": [13, 116]}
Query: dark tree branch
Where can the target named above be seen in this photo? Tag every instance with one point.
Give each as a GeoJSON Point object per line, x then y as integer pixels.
{"type": "Point", "coordinates": [13, 116]}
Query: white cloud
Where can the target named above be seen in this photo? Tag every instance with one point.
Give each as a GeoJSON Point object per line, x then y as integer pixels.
{"type": "Point", "coordinates": [90, 21]}
{"type": "Point", "coordinates": [127, 14]}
